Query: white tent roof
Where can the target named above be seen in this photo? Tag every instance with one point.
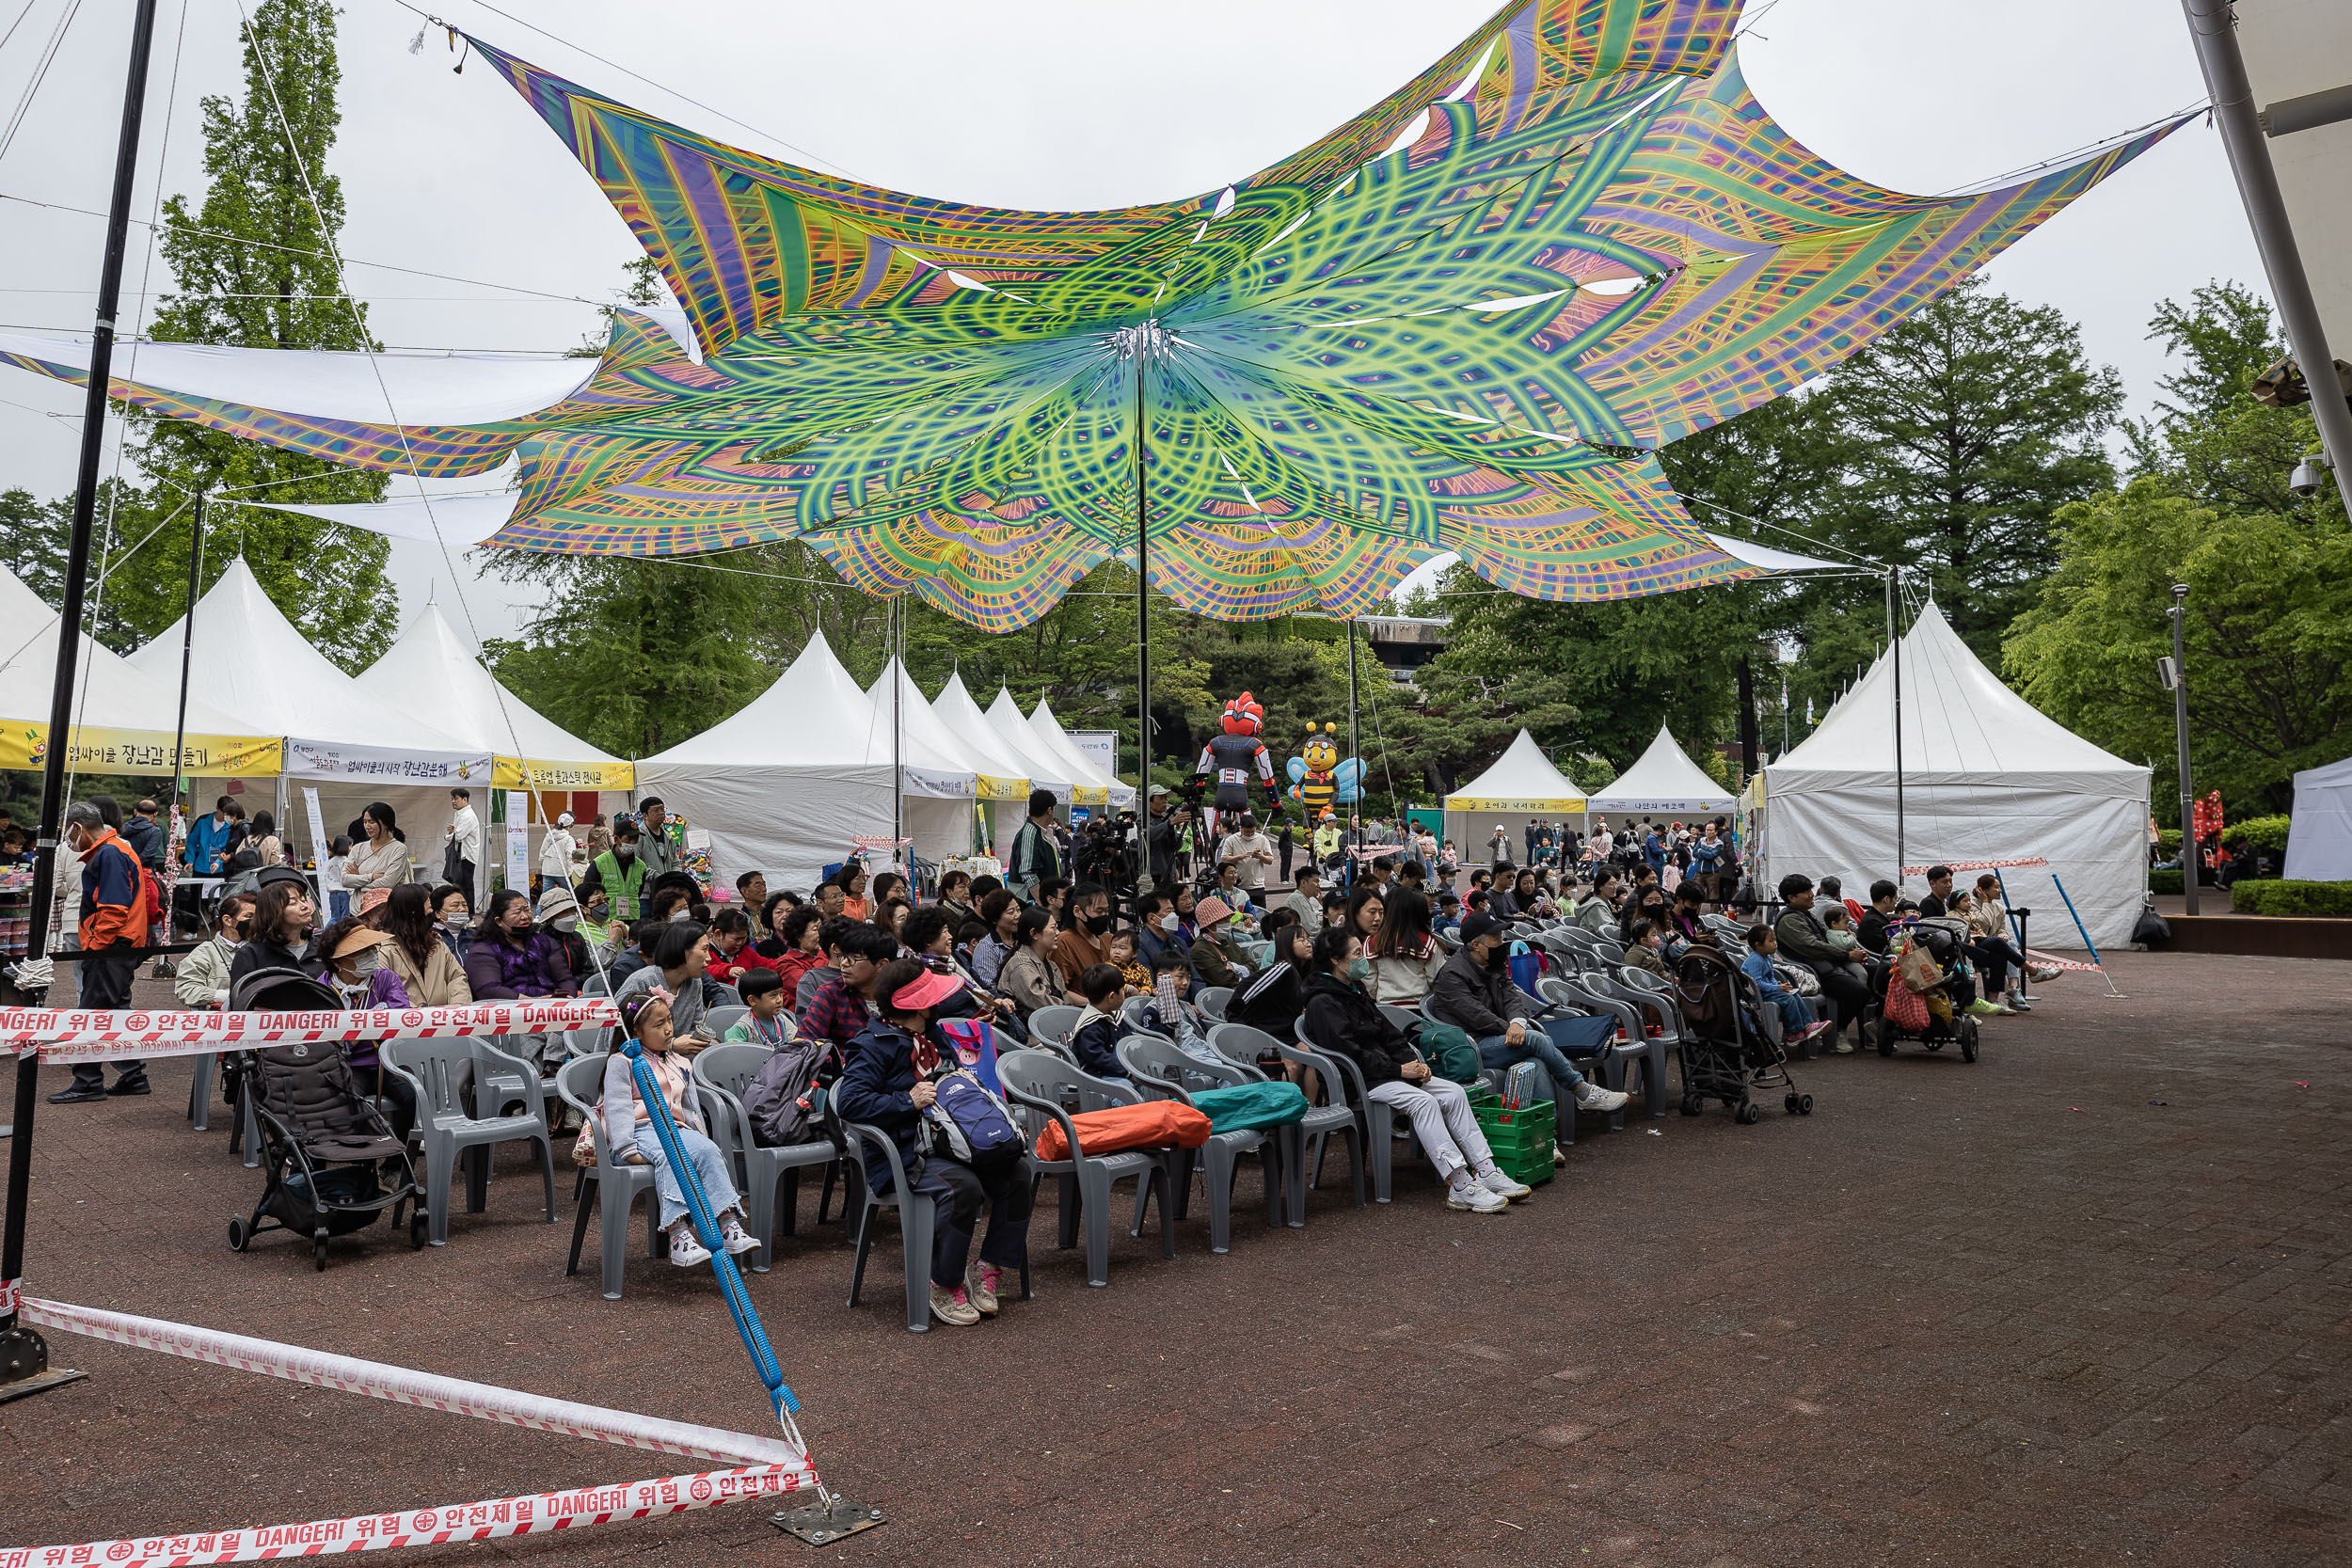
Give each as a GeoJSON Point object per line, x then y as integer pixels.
{"type": "Point", "coordinates": [2319, 837]}
{"type": "Point", "coordinates": [1961, 725]}
{"type": "Point", "coordinates": [1011, 726]}
{"type": "Point", "coordinates": [1522, 779]}
{"type": "Point", "coordinates": [111, 693]}
{"type": "Point", "coordinates": [1048, 729]}
{"type": "Point", "coordinates": [924, 725]}
{"type": "Point", "coordinates": [429, 673]}
{"type": "Point", "coordinates": [1664, 779]}
{"type": "Point", "coordinates": [253, 659]}
{"type": "Point", "coordinates": [983, 745]}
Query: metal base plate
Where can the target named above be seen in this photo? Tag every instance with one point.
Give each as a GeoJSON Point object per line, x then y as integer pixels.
{"type": "Point", "coordinates": [39, 1382]}
{"type": "Point", "coordinates": [821, 1525]}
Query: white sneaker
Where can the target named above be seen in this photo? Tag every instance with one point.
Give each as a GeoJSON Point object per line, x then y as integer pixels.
{"type": "Point", "coordinates": [1592, 1097]}
{"type": "Point", "coordinates": [1476, 1199]}
{"type": "Point", "coordinates": [737, 1240]}
{"type": "Point", "coordinates": [684, 1250]}
{"type": "Point", "coordinates": [1495, 1181]}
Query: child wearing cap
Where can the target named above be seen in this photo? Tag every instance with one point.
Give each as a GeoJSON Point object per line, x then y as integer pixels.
{"type": "Point", "coordinates": [354, 953]}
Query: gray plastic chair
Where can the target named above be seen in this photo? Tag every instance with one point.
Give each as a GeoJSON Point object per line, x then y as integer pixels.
{"type": "Point", "coordinates": [1035, 1084]}
{"type": "Point", "coordinates": [580, 1082]}
{"type": "Point", "coordinates": [1212, 1000]}
{"type": "Point", "coordinates": [438, 1069]}
{"type": "Point", "coordinates": [722, 1073]}
{"type": "Point", "coordinates": [1243, 1045]}
{"type": "Point", "coordinates": [718, 1020]}
{"type": "Point", "coordinates": [1131, 1011]}
{"type": "Point", "coordinates": [914, 1224]}
{"type": "Point", "coordinates": [1054, 1026]}
{"type": "Point", "coordinates": [1159, 1064]}
{"type": "Point", "coordinates": [1578, 995]}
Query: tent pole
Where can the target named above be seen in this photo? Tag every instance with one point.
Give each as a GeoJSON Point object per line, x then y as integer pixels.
{"type": "Point", "coordinates": [180, 781]}
{"type": "Point", "coordinates": [2191, 858]}
{"type": "Point", "coordinates": [1143, 608]}
{"type": "Point", "coordinates": [1356, 835]}
{"type": "Point", "coordinates": [1894, 652]}
{"type": "Point", "coordinates": [897, 629]}
{"type": "Point", "coordinates": [24, 1358]}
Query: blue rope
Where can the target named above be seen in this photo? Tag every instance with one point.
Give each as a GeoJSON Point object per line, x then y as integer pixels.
{"type": "Point", "coordinates": [747, 1323]}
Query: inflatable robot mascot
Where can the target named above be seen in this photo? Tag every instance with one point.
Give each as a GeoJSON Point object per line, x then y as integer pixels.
{"type": "Point", "coordinates": [1319, 778]}
{"type": "Point", "coordinates": [1229, 759]}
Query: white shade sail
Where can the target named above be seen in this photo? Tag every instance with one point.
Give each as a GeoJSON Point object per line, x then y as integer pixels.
{"type": "Point", "coordinates": [1664, 779]}
{"type": "Point", "coordinates": [459, 522]}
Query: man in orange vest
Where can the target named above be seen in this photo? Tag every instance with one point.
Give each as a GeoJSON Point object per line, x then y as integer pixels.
{"type": "Point", "coordinates": [114, 928]}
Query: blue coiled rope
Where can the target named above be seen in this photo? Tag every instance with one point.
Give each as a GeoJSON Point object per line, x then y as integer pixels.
{"type": "Point", "coordinates": [747, 1321]}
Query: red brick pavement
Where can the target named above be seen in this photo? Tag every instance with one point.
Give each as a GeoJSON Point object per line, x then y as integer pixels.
{"type": "Point", "coordinates": [2014, 1313]}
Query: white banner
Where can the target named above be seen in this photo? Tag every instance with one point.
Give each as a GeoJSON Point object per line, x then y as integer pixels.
{"type": "Point", "coordinates": [319, 841]}
{"type": "Point", "coordinates": [74, 1034]}
{"type": "Point", "coordinates": [319, 759]}
{"type": "Point", "coordinates": [1099, 747]}
{"type": "Point", "coordinates": [519, 840]}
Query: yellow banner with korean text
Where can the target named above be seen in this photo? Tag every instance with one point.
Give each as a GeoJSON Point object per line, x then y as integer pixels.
{"type": "Point", "coordinates": [532, 773]}
{"type": "Point", "coordinates": [26, 745]}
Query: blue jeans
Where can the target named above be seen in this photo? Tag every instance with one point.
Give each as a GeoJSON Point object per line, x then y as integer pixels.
{"type": "Point", "coordinates": [1548, 1042]}
{"type": "Point", "coordinates": [1796, 1014]}
{"type": "Point", "coordinates": [710, 1164]}
{"type": "Point", "coordinates": [338, 906]}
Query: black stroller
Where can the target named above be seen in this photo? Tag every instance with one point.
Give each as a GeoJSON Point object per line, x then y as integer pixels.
{"type": "Point", "coordinates": [1725, 1055]}
{"type": "Point", "coordinates": [329, 1161]}
{"type": "Point", "coordinates": [1942, 939]}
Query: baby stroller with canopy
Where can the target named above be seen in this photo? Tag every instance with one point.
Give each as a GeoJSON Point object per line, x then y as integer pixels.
{"type": "Point", "coordinates": [1930, 987]}
{"type": "Point", "coordinates": [1724, 1055]}
{"type": "Point", "coordinates": [331, 1164]}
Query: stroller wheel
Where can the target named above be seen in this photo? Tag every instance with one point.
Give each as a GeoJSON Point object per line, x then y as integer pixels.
{"type": "Point", "coordinates": [1749, 1114]}
{"type": "Point", "coordinates": [1968, 1041]}
{"type": "Point", "coordinates": [238, 1235]}
{"type": "Point", "coordinates": [318, 1250]}
{"type": "Point", "coordinates": [1886, 1036]}
{"type": "Point", "coordinates": [1790, 1104]}
{"type": "Point", "coordinates": [417, 1229]}
{"type": "Point", "coordinates": [1693, 1104]}
{"type": "Point", "coordinates": [1805, 1105]}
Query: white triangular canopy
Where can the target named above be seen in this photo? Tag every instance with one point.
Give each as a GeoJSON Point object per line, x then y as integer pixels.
{"type": "Point", "coordinates": [2319, 837]}
{"type": "Point", "coordinates": [111, 694]}
{"type": "Point", "coordinates": [984, 746]}
{"type": "Point", "coordinates": [431, 675]}
{"type": "Point", "coordinates": [1058, 743]}
{"type": "Point", "coordinates": [250, 658]}
{"type": "Point", "coordinates": [930, 735]}
{"type": "Point", "coordinates": [1664, 779]}
{"type": "Point", "coordinates": [1522, 779]}
{"type": "Point", "coordinates": [1046, 770]}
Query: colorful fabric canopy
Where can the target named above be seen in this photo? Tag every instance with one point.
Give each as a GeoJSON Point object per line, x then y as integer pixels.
{"type": "Point", "coordinates": [1463, 320]}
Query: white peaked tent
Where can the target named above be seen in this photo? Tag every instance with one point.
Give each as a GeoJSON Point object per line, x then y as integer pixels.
{"type": "Point", "coordinates": [124, 718]}
{"type": "Point", "coordinates": [1986, 777]}
{"type": "Point", "coordinates": [1006, 778]}
{"type": "Point", "coordinates": [1664, 779]}
{"type": "Point", "coordinates": [1006, 720]}
{"type": "Point", "coordinates": [1521, 783]}
{"type": "Point", "coordinates": [789, 783]}
{"type": "Point", "coordinates": [926, 729]}
{"type": "Point", "coordinates": [1048, 729]}
{"type": "Point", "coordinates": [2319, 837]}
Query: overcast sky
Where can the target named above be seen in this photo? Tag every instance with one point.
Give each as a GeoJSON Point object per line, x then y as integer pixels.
{"type": "Point", "coordinates": [1044, 103]}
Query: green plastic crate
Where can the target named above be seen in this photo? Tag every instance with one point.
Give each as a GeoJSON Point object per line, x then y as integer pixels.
{"type": "Point", "coordinates": [1531, 1168]}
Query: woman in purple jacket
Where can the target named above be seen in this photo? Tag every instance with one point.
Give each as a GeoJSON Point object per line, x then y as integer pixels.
{"type": "Point", "coordinates": [509, 960]}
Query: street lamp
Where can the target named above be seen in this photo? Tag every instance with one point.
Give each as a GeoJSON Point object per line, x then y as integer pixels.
{"type": "Point", "coordinates": [2173, 672]}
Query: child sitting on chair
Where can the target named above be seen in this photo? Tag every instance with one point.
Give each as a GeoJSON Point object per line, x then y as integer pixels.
{"type": "Point", "coordinates": [1118, 951]}
{"type": "Point", "coordinates": [762, 990]}
{"type": "Point", "coordinates": [629, 1132]}
{"type": "Point", "coordinates": [1797, 1022]}
{"type": "Point", "coordinates": [1095, 1039]}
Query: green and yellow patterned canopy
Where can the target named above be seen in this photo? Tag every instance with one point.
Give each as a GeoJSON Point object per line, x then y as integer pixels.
{"type": "Point", "coordinates": [1463, 321]}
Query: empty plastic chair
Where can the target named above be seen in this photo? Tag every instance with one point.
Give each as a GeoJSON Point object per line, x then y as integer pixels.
{"type": "Point", "coordinates": [438, 1069]}
{"type": "Point", "coordinates": [1212, 1001]}
{"type": "Point", "coordinates": [1054, 1026]}
{"type": "Point", "coordinates": [722, 1073]}
{"type": "Point", "coordinates": [1242, 1045]}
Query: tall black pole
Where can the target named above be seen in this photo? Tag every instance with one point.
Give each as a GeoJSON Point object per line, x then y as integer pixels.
{"type": "Point", "coordinates": [187, 655]}
{"type": "Point", "coordinates": [1143, 608]}
{"type": "Point", "coordinates": [1747, 719]}
{"type": "Point", "coordinates": [22, 1355]}
{"type": "Point", "coordinates": [1356, 833]}
{"type": "Point", "coordinates": [1894, 653]}
{"type": "Point", "coordinates": [2192, 860]}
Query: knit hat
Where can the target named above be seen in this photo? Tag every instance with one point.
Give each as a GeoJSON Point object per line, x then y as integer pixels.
{"type": "Point", "coordinates": [1212, 910]}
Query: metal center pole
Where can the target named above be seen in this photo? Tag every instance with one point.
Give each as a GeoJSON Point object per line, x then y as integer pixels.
{"type": "Point", "coordinates": [24, 1357]}
{"type": "Point", "coordinates": [1894, 653]}
{"type": "Point", "coordinates": [1143, 609]}
{"type": "Point", "coordinates": [2192, 855]}
{"type": "Point", "coordinates": [1356, 833]}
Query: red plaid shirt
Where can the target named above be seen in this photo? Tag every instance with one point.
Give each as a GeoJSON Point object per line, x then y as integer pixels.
{"type": "Point", "coordinates": [837, 1012]}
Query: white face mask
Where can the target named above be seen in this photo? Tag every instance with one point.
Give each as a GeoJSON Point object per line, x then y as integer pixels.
{"type": "Point", "coordinates": [365, 964]}
{"type": "Point", "coordinates": [679, 914]}
{"type": "Point", "coordinates": [566, 922]}
{"type": "Point", "coordinates": [1168, 923]}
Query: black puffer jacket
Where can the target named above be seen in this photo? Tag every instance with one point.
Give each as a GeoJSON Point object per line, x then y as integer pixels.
{"type": "Point", "coordinates": [1342, 1018]}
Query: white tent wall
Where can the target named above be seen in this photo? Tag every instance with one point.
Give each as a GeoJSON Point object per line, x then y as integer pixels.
{"type": "Point", "coordinates": [1471, 830]}
{"type": "Point", "coordinates": [2319, 837]}
{"type": "Point", "coordinates": [2095, 843]}
{"type": "Point", "coordinates": [421, 811]}
{"type": "Point", "coordinates": [787, 824]}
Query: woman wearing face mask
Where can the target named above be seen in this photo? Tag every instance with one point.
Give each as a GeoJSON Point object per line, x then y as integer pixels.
{"type": "Point", "coordinates": [428, 972]}
{"type": "Point", "coordinates": [510, 960]}
{"type": "Point", "coordinates": [203, 978]}
{"type": "Point", "coordinates": [452, 920]}
{"type": "Point", "coordinates": [284, 910]}
{"type": "Point", "coordinates": [381, 864]}
{"type": "Point", "coordinates": [1652, 906]}
{"type": "Point", "coordinates": [1341, 1017]}
{"type": "Point", "coordinates": [354, 951]}
{"type": "Point", "coordinates": [558, 916]}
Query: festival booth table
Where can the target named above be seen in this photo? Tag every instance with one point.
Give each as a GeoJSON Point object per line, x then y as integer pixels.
{"type": "Point", "coordinates": [791, 782]}
{"type": "Point", "coordinates": [2319, 837]}
{"type": "Point", "coordinates": [1117, 796]}
{"type": "Point", "coordinates": [1008, 757]}
{"type": "Point", "coordinates": [349, 744]}
{"type": "Point", "coordinates": [1663, 783]}
{"type": "Point", "coordinates": [1989, 780]}
{"type": "Point", "coordinates": [1521, 783]}
{"type": "Point", "coordinates": [431, 673]}
{"type": "Point", "coordinates": [990, 784]}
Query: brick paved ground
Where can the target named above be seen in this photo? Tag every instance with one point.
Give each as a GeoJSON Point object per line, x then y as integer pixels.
{"type": "Point", "coordinates": [2085, 1301]}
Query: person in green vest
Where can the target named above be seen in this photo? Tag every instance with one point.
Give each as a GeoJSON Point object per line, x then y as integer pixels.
{"type": "Point", "coordinates": [619, 873]}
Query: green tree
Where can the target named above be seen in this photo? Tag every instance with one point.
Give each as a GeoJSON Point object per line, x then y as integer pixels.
{"type": "Point", "coordinates": [2210, 440]}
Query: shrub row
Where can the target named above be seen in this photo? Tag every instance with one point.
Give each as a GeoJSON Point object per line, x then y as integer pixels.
{"type": "Point", "coordinates": [2272, 896]}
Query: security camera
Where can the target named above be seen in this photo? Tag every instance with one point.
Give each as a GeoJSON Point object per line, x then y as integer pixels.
{"type": "Point", "coordinates": [2310, 474]}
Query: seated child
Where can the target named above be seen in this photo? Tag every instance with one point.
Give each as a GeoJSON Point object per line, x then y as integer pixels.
{"type": "Point", "coordinates": [1167, 1013]}
{"type": "Point", "coordinates": [629, 1131]}
{"type": "Point", "coordinates": [762, 990]}
{"type": "Point", "coordinates": [1797, 1022]}
{"type": "Point", "coordinates": [1118, 951]}
{"type": "Point", "coordinates": [1839, 923]}
{"type": "Point", "coordinates": [1098, 1028]}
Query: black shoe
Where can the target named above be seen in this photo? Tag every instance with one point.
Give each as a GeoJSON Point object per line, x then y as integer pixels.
{"type": "Point", "coordinates": [77, 1095]}
{"type": "Point", "coordinates": [132, 1086]}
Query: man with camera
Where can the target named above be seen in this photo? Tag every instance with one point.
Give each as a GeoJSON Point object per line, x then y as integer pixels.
{"type": "Point", "coordinates": [1163, 838]}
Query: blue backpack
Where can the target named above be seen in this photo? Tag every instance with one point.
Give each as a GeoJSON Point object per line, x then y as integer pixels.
{"type": "Point", "coordinates": [971, 1127]}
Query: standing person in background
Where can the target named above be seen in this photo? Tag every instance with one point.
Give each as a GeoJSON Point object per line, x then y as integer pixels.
{"type": "Point", "coordinates": [1249, 853]}
{"type": "Point", "coordinates": [1499, 846]}
{"type": "Point", "coordinates": [1034, 858]}
{"type": "Point", "coordinates": [114, 916]}
{"type": "Point", "coordinates": [331, 865]}
{"type": "Point", "coordinates": [620, 875]}
{"type": "Point", "coordinates": [1287, 843]}
{"type": "Point", "coordinates": [265, 840]}
{"type": "Point", "coordinates": [653, 844]}
{"type": "Point", "coordinates": [145, 836]}
{"type": "Point", "coordinates": [382, 864]}
{"type": "Point", "coordinates": [463, 856]}
{"type": "Point", "coordinates": [556, 851]}
{"type": "Point", "coordinates": [208, 837]}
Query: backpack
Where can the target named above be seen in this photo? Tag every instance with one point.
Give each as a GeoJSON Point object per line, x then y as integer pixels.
{"type": "Point", "coordinates": [1449, 1051]}
{"type": "Point", "coordinates": [971, 1126]}
{"type": "Point", "coordinates": [784, 1102]}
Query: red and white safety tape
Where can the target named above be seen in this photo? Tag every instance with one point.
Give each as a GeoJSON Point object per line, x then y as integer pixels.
{"type": "Point", "coordinates": [76, 1035]}
{"type": "Point", "coordinates": [402, 1386]}
{"type": "Point", "coordinates": [532, 1515]}
{"type": "Point", "coordinates": [1956, 866]}
{"type": "Point", "coordinates": [2056, 962]}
